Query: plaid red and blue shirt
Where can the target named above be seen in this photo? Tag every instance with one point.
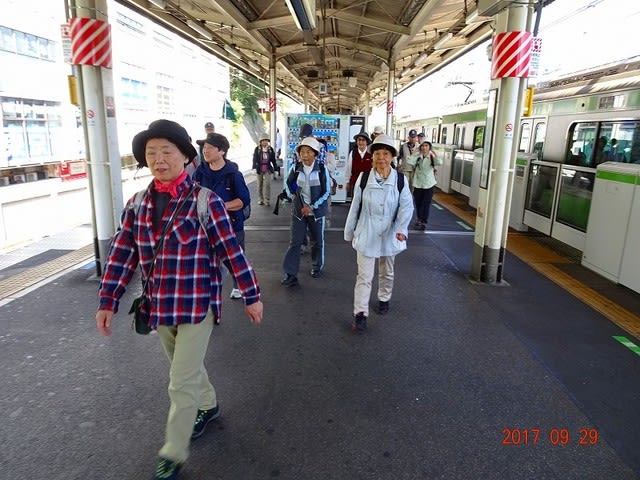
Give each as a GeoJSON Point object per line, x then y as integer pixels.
{"type": "Point", "coordinates": [186, 280]}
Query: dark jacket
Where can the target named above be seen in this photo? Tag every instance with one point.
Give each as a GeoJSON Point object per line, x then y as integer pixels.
{"type": "Point", "coordinates": [271, 162]}
{"type": "Point", "coordinates": [228, 183]}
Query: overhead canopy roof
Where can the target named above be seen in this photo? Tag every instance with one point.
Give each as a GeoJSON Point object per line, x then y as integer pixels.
{"type": "Point", "coordinates": [358, 39]}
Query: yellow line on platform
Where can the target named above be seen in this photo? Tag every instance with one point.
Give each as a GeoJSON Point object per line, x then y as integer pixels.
{"type": "Point", "coordinates": [541, 259]}
{"type": "Point", "coordinates": [23, 280]}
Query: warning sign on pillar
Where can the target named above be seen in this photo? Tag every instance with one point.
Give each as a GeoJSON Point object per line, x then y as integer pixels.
{"type": "Point", "coordinates": [90, 42]}
{"type": "Point", "coordinates": [389, 107]}
{"type": "Point", "coordinates": [511, 55]}
{"type": "Point", "coordinates": [508, 130]}
{"type": "Point", "coordinates": [272, 104]}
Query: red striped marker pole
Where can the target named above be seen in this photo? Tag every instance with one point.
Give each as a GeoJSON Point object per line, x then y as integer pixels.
{"type": "Point", "coordinates": [90, 42]}
{"type": "Point", "coordinates": [511, 55]}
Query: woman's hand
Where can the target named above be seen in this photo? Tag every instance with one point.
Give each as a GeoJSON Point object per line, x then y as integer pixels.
{"type": "Point", "coordinates": [401, 237]}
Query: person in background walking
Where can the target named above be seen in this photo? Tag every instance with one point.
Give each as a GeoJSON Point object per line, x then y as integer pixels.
{"type": "Point", "coordinates": [264, 163]}
{"type": "Point", "coordinates": [225, 179]}
{"type": "Point", "coordinates": [359, 160]}
{"type": "Point", "coordinates": [185, 286]}
{"type": "Point", "coordinates": [278, 152]}
{"type": "Point", "coordinates": [377, 227]}
{"type": "Point", "coordinates": [308, 185]}
{"type": "Point", "coordinates": [424, 182]}
{"type": "Point", "coordinates": [410, 148]}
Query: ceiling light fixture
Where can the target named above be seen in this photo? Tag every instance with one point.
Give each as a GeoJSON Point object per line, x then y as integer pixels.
{"type": "Point", "coordinates": [405, 72]}
{"type": "Point", "coordinates": [198, 27]}
{"type": "Point", "coordinates": [353, 82]}
{"type": "Point", "coordinates": [159, 3]}
{"type": "Point", "coordinates": [254, 65]}
{"type": "Point", "coordinates": [303, 12]}
{"type": "Point", "coordinates": [471, 16]}
{"type": "Point", "coordinates": [422, 58]}
{"type": "Point", "coordinates": [232, 51]}
{"type": "Point", "coordinates": [442, 40]}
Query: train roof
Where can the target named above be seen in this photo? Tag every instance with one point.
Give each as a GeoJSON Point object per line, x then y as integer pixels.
{"type": "Point", "coordinates": [622, 76]}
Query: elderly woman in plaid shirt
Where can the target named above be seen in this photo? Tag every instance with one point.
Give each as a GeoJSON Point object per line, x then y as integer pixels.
{"type": "Point", "coordinates": [185, 285]}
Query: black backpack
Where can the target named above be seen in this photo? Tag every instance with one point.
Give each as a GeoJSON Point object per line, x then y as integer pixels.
{"type": "Point", "coordinates": [231, 185]}
{"type": "Point", "coordinates": [363, 183]}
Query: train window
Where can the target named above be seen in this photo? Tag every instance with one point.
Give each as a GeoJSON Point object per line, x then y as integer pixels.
{"type": "Point", "coordinates": [538, 139]}
{"type": "Point", "coordinates": [617, 141]}
{"type": "Point", "coordinates": [434, 135]}
{"type": "Point", "coordinates": [582, 143]}
{"type": "Point", "coordinates": [456, 136]}
{"type": "Point", "coordinates": [478, 137]}
{"type": "Point", "coordinates": [443, 137]}
{"type": "Point", "coordinates": [525, 137]}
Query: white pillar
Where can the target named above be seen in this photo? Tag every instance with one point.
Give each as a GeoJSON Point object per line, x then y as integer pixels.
{"type": "Point", "coordinates": [493, 209]}
{"type": "Point", "coordinates": [103, 156]}
{"type": "Point", "coordinates": [272, 94]}
{"type": "Point", "coordinates": [391, 87]}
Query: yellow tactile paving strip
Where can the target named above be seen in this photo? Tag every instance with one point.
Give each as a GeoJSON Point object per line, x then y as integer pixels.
{"type": "Point", "coordinates": [23, 280]}
{"type": "Point", "coordinates": [542, 260]}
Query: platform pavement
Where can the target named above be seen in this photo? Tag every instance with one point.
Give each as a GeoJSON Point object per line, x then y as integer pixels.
{"type": "Point", "coordinates": [427, 393]}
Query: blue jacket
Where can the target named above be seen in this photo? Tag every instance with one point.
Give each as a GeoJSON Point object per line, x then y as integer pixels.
{"type": "Point", "coordinates": [228, 183]}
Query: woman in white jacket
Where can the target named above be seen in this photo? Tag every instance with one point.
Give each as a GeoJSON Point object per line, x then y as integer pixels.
{"type": "Point", "coordinates": [377, 227]}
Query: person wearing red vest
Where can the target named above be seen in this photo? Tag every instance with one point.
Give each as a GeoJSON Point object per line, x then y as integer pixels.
{"type": "Point", "coordinates": [359, 160]}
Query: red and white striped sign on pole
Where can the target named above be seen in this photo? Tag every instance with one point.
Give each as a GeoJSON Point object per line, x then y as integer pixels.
{"type": "Point", "coordinates": [389, 107]}
{"type": "Point", "coordinates": [511, 54]}
{"type": "Point", "coordinates": [272, 104]}
{"type": "Point", "coordinates": [90, 42]}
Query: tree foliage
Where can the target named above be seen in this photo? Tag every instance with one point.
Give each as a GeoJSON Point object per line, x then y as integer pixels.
{"type": "Point", "coordinates": [247, 90]}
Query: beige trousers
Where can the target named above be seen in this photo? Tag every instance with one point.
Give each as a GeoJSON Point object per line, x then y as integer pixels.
{"type": "Point", "coordinates": [362, 290]}
{"type": "Point", "coordinates": [189, 386]}
{"type": "Point", "coordinates": [264, 187]}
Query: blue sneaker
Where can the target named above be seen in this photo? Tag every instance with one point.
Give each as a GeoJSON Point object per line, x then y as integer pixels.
{"type": "Point", "coordinates": [202, 418]}
{"type": "Point", "coordinates": [167, 469]}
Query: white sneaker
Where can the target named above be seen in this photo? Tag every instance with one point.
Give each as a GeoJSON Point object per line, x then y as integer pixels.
{"type": "Point", "coordinates": [235, 293]}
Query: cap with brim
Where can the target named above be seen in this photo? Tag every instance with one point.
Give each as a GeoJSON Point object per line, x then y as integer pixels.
{"type": "Point", "coordinates": [208, 125]}
{"type": "Point", "coordinates": [378, 130]}
{"type": "Point", "coordinates": [310, 142]}
{"type": "Point", "coordinates": [172, 131]}
{"type": "Point", "coordinates": [413, 133]}
{"type": "Point", "coordinates": [265, 136]}
{"type": "Point", "coordinates": [384, 141]}
{"type": "Point", "coordinates": [364, 135]}
{"type": "Point", "coordinates": [218, 140]}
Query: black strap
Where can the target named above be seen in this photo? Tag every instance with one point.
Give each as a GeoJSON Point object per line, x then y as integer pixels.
{"type": "Point", "coordinates": [162, 235]}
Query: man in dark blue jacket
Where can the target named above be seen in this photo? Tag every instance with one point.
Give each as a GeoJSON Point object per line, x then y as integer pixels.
{"type": "Point", "coordinates": [224, 178]}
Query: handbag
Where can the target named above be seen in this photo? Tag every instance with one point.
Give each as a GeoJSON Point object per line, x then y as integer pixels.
{"type": "Point", "coordinates": [140, 308]}
{"type": "Point", "coordinates": [140, 311]}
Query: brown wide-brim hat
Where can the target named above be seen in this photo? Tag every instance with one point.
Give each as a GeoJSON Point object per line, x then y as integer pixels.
{"type": "Point", "coordinates": [172, 131]}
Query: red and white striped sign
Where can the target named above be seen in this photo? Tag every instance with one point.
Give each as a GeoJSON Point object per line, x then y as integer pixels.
{"type": "Point", "coordinates": [272, 104]}
{"type": "Point", "coordinates": [511, 54]}
{"type": "Point", "coordinates": [389, 107]}
{"type": "Point", "coordinates": [90, 42]}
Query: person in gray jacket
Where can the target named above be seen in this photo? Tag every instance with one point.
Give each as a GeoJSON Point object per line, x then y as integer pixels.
{"type": "Point", "coordinates": [377, 227]}
{"type": "Point", "coordinates": [308, 186]}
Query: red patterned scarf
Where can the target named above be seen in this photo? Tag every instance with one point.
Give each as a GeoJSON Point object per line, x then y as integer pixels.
{"type": "Point", "coordinates": [170, 188]}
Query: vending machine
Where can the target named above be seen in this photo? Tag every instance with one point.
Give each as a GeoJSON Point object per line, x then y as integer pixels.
{"type": "Point", "coordinates": [338, 132]}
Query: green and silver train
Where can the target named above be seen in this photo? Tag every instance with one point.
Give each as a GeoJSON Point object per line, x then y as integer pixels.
{"type": "Point", "coordinates": [576, 123]}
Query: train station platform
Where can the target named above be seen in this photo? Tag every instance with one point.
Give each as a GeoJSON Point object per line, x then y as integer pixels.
{"type": "Point", "coordinates": [459, 381]}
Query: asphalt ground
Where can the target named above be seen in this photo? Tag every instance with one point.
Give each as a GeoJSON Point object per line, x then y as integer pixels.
{"type": "Point", "coordinates": [459, 381]}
